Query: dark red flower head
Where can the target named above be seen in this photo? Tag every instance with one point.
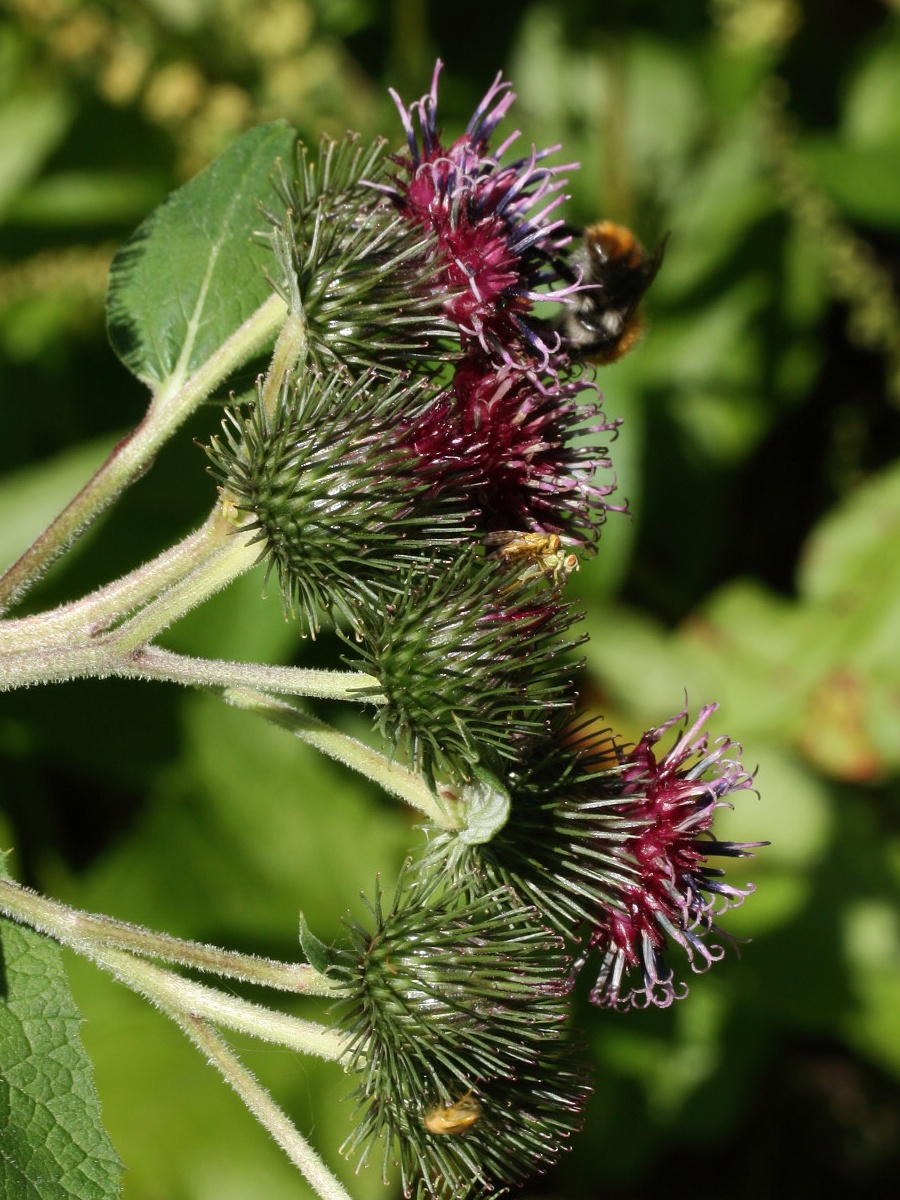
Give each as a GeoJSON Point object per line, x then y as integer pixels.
{"type": "Point", "coordinates": [495, 250]}
{"type": "Point", "coordinates": [673, 895]}
{"type": "Point", "coordinates": [516, 431]}
{"type": "Point", "coordinates": [512, 412]}
{"type": "Point", "coordinates": [612, 846]}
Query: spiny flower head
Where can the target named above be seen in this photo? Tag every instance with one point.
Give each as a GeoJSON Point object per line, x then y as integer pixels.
{"type": "Point", "coordinates": [493, 250]}
{"type": "Point", "coordinates": [675, 895]}
{"type": "Point", "coordinates": [473, 661]}
{"type": "Point", "coordinates": [524, 437]}
{"type": "Point", "coordinates": [613, 846]}
{"type": "Point", "coordinates": [455, 1011]}
{"type": "Point", "coordinates": [343, 508]}
{"type": "Point", "coordinates": [514, 398]}
{"type": "Point", "coordinates": [362, 276]}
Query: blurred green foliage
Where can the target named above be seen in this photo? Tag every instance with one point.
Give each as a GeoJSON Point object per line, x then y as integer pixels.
{"type": "Point", "coordinates": [760, 568]}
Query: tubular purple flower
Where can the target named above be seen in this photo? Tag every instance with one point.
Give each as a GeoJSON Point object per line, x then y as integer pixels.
{"type": "Point", "coordinates": [497, 252]}
{"type": "Point", "coordinates": [514, 410]}
{"type": "Point", "coordinates": [613, 846]}
{"type": "Point", "coordinates": [675, 895]}
{"type": "Point", "coordinates": [517, 433]}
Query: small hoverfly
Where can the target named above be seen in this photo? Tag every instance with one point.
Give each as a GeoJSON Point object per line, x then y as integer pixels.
{"type": "Point", "coordinates": [536, 553]}
{"type": "Point", "coordinates": [604, 321]}
{"type": "Point", "coordinates": [453, 1118]}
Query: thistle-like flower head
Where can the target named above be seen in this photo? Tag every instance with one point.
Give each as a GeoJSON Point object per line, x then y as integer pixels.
{"type": "Point", "coordinates": [675, 895]}
{"type": "Point", "coordinates": [496, 241]}
{"type": "Point", "coordinates": [536, 468]}
{"type": "Point", "coordinates": [343, 507]}
{"type": "Point", "coordinates": [473, 661]}
{"type": "Point", "coordinates": [613, 846]}
{"type": "Point", "coordinates": [361, 274]}
{"type": "Point", "coordinates": [455, 1012]}
{"type": "Point", "coordinates": [492, 246]}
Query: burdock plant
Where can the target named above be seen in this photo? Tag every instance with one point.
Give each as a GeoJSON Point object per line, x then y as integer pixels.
{"type": "Point", "coordinates": [419, 467]}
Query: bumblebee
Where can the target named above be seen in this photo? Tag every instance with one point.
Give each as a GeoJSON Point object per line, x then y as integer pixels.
{"type": "Point", "coordinates": [453, 1118]}
{"type": "Point", "coordinates": [604, 321]}
{"type": "Point", "coordinates": [536, 553]}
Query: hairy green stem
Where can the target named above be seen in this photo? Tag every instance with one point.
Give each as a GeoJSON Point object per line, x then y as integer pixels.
{"type": "Point", "coordinates": [194, 1006]}
{"type": "Point", "coordinates": [101, 939]}
{"type": "Point", "coordinates": [155, 663]}
{"type": "Point", "coordinates": [263, 1107]}
{"type": "Point", "coordinates": [175, 994]}
{"type": "Point", "coordinates": [236, 555]}
{"type": "Point", "coordinates": [171, 405]}
{"type": "Point", "coordinates": [77, 640]}
{"type": "Point", "coordinates": [71, 925]}
{"type": "Point", "coordinates": [290, 351]}
{"type": "Point", "coordinates": [93, 615]}
{"type": "Point", "coordinates": [291, 348]}
{"type": "Point", "coordinates": [396, 779]}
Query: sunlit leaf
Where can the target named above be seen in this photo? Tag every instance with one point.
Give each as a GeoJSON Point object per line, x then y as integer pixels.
{"type": "Point", "coordinates": [52, 1144]}
{"type": "Point", "coordinates": [191, 274]}
{"type": "Point", "coordinates": [872, 106]}
{"type": "Point", "coordinates": [31, 498]}
{"type": "Point", "coordinates": [863, 180]}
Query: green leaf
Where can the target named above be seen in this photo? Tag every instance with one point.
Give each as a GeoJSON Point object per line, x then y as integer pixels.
{"type": "Point", "coordinates": [872, 106]}
{"type": "Point", "coordinates": [863, 179]}
{"type": "Point", "coordinates": [849, 553]}
{"type": "Point", "coordinates": [190, 275]}
{"type": "Point", "coordinates": [86, 197]}
{"type": "Point", "coordinates": [315, 952]}
{"type": "Point", "coordinates": [52, 1144]}
{"type": "Point", "coordinates": [487, 805]}
{"type": "Point", "coordinates": [821, 673]}
{"type": "Point", "coordinates": [31, 498]}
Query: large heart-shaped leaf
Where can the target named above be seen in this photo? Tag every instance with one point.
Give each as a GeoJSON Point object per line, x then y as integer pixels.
{"type": "Point", "coordinates": [192, 274]}
{"type": "Point", "coordinates": [52, 1144]}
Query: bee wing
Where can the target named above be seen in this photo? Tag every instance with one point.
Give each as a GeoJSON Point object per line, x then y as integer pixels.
{"type": "Point", "coordinates": [654, 262]}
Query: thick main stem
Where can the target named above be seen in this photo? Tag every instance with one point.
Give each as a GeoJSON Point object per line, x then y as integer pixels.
{"type": "Point", "coordinates": [93, 615]}
{"type": "Point", "coordinates": [75, 928]}
{"type": "Point", "coordinates": [79, 639]}
{"type": "Point", "coordinates": [171, 405]}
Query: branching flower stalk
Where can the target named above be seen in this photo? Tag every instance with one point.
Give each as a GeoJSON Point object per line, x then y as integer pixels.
{"type": "Point", "coordinates": [419, 469]}
{"type": "Point", "coordinates": [134, 453]}
{"type": "Point", "coordinates": [396, 779]}
{"type": "Point", "coordinates": [262, 1106]}
{"type": "Point", "coordinates": [97, 932]}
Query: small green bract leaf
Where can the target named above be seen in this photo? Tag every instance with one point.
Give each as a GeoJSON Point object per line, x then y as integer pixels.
{"type": "Point", "coordinates": [52, 1145]}
{"type": "Point", "coordinates": [487, 808]}
{"type": "Point", "coordinates": [316, 952]}
{"type": "Point", "coordinates": [190, 275]}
